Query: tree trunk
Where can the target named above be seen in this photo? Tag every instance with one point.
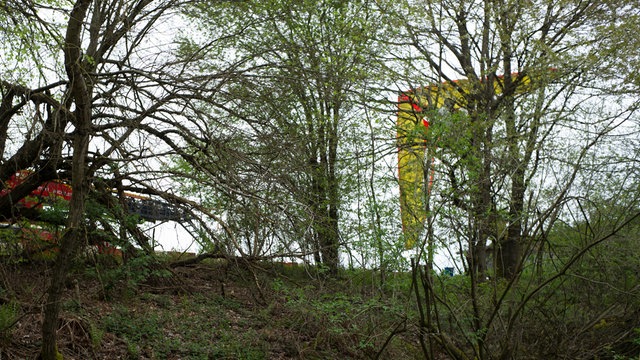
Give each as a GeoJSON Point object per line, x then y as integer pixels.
{"type": "Point", "coordinates": [331, 252]}
{"type": "Point", "coordinates": [509, 246]}
{"type": "Point", "coordinates": [509, 250]}
{"type": "Point", "coordinates": [72, 240]}
{"type": "Point", "coordinates": [483, 209]}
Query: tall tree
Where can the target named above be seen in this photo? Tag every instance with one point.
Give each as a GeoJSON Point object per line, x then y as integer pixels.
{"type": "Point", "coordinates": [310, 58]}
{"type": "Point", "coordinates": [530, 119]}
{"type": "Point", "coordinates": [92, 96]}
{"type": "Point", "coordinates": [516, 62]}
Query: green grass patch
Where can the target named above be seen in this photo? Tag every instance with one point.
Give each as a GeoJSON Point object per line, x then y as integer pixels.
{"type": "Point", "coordinates": [194, 327]}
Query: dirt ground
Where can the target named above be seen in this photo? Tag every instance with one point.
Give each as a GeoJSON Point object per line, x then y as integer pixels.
{"type": "Point", "coordinates": [212, 309]}
{"type": "Point", "coordinates": [82, 333]}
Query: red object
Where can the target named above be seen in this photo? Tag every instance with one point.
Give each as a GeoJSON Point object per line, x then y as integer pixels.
{"type": "Point", "coordinates": [405, 98]}
{"type": "Point", "coordinates": [47, 192]}
{"type": "Point", "coordinates": [36, 241]}
{"type": "Point", "coordinates": [108, 249]}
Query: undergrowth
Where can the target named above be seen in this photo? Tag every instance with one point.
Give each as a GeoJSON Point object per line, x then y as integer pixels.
{"type": "Point", "coordinates": [299, 317]}
{"type": "Point", "coordinates": [145, 309]}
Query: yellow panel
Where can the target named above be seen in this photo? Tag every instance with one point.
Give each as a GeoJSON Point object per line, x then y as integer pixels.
{"type": "Point", "coordinates": [411, 133]}
{"type": "Point", "coordinates": [411, 148]}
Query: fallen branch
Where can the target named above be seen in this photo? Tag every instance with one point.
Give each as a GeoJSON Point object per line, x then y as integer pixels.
{"type": "Point", "coordinates": [201, 257]}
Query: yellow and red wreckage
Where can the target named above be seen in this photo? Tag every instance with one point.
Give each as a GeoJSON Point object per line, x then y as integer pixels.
{"type": "Point", "coordinates": [25, 223]}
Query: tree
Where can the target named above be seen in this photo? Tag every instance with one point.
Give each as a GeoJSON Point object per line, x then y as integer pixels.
{"type": "Point", "coordinates": [309, 59]}
{"type": "Point", "coordinates": [506, 117]}
{"type": "Point", "coordinates": [102, 103]}
{"type": "Point", "coordinates": [528, 120]}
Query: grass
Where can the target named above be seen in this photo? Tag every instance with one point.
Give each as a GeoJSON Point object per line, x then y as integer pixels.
{"type": "Point", "coordinates": [194, 327]}
{"type": "Point", "coordinates": [9, 314]}
{"type": "Point", "coordinates": [213, 310]}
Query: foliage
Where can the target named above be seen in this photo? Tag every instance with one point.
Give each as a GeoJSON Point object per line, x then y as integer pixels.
{"type": "Point", "coordinates": [195, 327]}
{"type": "Point", "coordinates": [10, 244]}
{"type": "Point", "coordinates": [326, 318]}
{"type": "Point", "coordinates": [307, 66]}
{"type": "Point", "coordinates": [9, 314]}
{"type": "Point", "coordinates": [563, 304]}
{"type": "Point", "coordinates": [277, 121]}
{"type": "Point", "coordinates": [343, 317]}
{"type": "Point", "coordinates": [123, 279]}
